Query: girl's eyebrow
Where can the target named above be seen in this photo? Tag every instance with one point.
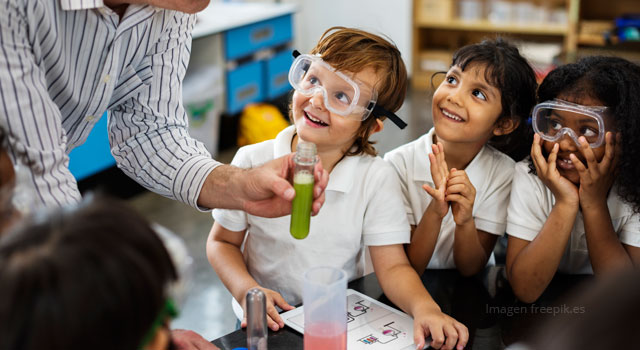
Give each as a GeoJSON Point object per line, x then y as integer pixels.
{"type": "Point", "coordinates": [479, 84]}
{"type": "Point", "coordinates": [486, 88]}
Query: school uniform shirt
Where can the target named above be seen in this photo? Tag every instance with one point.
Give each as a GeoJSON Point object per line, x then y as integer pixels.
{"type": "Point", "coordinates": [490, 172]}
{"type": "Point", "coordinates": [64, 63]}
{"type": "Point", "coordinates": [531, 203]}
{"type": "Point", "coordinates": [363, 207]}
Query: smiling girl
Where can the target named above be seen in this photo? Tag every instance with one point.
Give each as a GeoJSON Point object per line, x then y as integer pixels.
{"type": "Point", "coordinates": [479, 117]}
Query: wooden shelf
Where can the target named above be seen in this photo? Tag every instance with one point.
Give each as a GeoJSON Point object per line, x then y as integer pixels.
{"type": "Point", "coordinates": [595, 40]}
{"type": "Point", "coordinates": [436, 27]}
{"type": "Point", "coordinates": [487, 26]}
{"type": "Point", "coordinates": [433, 32]}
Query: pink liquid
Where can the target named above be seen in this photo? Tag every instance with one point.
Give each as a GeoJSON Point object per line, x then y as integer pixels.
{"type": "Point", "coordinates": [325, 337]}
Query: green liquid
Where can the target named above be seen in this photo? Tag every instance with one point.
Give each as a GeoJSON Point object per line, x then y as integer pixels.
{"type": "Point", "coordinates": [301, 205]}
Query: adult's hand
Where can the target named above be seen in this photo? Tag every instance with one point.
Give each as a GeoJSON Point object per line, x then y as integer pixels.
{"type": "Point", "coordinates": [190, 340]}
{"type": "Point", "coordinates": [262, 191]}
{"type": "Point", "coordinates": [269, 192]}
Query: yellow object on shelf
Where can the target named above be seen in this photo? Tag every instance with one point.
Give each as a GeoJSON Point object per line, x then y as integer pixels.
{"type": "Point", "coordinates": [260, 122]}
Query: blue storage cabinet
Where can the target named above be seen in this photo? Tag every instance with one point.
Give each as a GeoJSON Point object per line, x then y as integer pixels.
{"type": "Point", "coordinates": [252, 79]}
{"type": "Point", "coordinates": [94, 155]}
{"type": "Point", "coordinates": [244, 85]}
{"type": "Point", "coordinates": [245, 40]}
{"type": "Point", "coordinates": [277, 74]}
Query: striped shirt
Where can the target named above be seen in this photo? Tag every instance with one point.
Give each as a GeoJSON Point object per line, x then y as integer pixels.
{"type": "Point", "coordinates": [64, 62]}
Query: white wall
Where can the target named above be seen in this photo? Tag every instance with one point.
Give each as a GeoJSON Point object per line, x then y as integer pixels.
{"type": "Point", "coordinates": [389, 17]}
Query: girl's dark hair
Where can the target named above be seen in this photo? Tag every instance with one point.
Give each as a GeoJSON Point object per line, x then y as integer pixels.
{"type": "Point", "coordinates": [616, 83]}
{"type": "Point", "coordinates": [510, 73]}
{"type": "Point", "coordinates": [92, 277]}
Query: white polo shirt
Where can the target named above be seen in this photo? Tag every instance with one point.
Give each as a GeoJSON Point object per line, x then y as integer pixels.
{"type": "Point", "coordinates": [363, 206]}
{"type": "Point", "coordinates": [490, 172]}
{"type": "Point", "coordinates": [531, 203]}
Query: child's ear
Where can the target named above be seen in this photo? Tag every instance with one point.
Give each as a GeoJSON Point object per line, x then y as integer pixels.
{"type": "Point", "coordinates": [505, 126]}
{"type": "Point", "coordinates": [379, 126]}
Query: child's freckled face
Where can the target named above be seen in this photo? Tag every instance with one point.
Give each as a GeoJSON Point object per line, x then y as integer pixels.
{"type": "Point", "coordinates": [465, 106]}
{"type": "Point", "coordinates": [315, 123]}
{"type": "Point", "coordinates": [564, 164]}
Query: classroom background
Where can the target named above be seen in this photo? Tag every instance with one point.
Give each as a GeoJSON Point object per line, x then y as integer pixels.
{"type": "Point", "coordinates": [236, 90]}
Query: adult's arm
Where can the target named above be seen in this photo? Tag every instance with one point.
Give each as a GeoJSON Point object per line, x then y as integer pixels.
{"type": "Point", "coordinates": [148, 132]}
{"type": "Point", "coordinates": [151, 144]}
{"type": "Point", "coordinates": [28, 115]}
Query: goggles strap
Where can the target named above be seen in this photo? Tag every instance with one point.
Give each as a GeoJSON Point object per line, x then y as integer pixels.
{"type": "Point", "coordinates": [381, 112]}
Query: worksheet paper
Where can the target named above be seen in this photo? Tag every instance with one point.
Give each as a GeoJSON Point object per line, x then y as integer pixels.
{"type": "Point", "coordinates": [371, 325]}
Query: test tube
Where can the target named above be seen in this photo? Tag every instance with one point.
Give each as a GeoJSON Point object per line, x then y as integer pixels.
{"type": "Point", "coordinates": [256, 320]}
{"type": "Point", "coordinates": [303, 181]}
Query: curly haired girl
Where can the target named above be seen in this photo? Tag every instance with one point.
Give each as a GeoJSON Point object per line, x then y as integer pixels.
{"type": "Point", "coordinates": [581, 213]}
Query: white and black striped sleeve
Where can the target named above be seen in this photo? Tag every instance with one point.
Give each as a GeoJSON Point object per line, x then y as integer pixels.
{"type": "Point", "coordinates": [148, 133]}
{"type": "Point", "coordinates": [29, 115]}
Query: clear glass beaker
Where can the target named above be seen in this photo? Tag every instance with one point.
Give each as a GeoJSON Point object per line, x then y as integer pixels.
{"type": "Point", "coordinates": [325, 308]}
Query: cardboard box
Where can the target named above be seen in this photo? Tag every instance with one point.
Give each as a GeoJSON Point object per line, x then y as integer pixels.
{"type": "Point", "coordinates": [435, 10]}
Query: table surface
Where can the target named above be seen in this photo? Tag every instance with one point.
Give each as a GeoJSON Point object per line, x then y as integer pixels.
{"type": "Point", "coordinates": [484, 303]}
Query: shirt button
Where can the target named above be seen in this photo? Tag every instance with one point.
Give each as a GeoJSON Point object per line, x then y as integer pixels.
{"type": "Point", "coordinates": [89, 118]}
{"type": "Point", "coordinates": [107, 78]}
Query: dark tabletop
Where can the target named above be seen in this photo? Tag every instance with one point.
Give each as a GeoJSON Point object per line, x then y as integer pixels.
{"type": "Point", "coordinates": [484, 303]}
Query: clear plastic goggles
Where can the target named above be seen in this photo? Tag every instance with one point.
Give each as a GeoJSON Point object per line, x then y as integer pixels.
{"type": "Point", "coordinates": [554, 119]}
{"type": "Point", "coordinates": [344, 96]}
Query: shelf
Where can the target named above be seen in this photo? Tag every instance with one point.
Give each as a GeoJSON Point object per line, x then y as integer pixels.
{"type": "Point", "coordinates": [219, 17]}
{"type": "Point", "coordinates": [437, 26]}
{"type": "Point", "coordinates": [487, 26]}
{"type": "Point", "coordinates": [595, 40]}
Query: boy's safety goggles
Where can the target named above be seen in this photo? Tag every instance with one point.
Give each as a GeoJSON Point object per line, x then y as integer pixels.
{"type": "Point", "coordinates": [342, 95]}
{"type": "Point", "coordinates": [554, 119]}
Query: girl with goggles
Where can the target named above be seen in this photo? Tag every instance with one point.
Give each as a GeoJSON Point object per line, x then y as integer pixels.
{"type": "Point", "coordinates": [575, 203]}
{"type": "Point", "coordinates": [554, 119]}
